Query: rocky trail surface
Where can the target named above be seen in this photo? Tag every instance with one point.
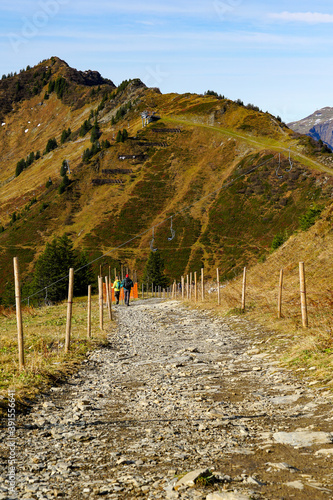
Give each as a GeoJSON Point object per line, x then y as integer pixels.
{"type": "Point", "coordinates": [179, 405]}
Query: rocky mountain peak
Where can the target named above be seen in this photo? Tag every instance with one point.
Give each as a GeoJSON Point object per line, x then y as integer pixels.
{"type": "Point", "coordinates": [318, 125]}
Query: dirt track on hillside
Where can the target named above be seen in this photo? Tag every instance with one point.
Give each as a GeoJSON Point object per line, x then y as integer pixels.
{"type": "Point", "coordinates": [177, 391]}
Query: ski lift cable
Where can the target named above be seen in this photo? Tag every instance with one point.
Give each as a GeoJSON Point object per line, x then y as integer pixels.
{"type": "Point", "coordinates": [106, 254]}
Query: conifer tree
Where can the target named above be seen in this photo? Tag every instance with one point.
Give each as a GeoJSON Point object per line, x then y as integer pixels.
{"type": "Point", "coordinates": [95, 133]}
{"type": "Point", "coordinates": [119, 136]}
{"type": "Point", "coordinates": [154, 270]}
{"type": "Point", "coordinates": [54, 264]}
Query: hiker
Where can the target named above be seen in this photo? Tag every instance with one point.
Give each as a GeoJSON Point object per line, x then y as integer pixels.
{"type": "Point", "coordinates": [116, 289]}
{"type": "Point", "coordinates": [127, 284]}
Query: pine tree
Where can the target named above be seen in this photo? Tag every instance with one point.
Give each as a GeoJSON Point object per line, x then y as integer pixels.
{"type": "Point", "coordinates": [65, 135]}
{"type": "Point", "coordinates": [51, 144]}
{"type": "Point", "coordinates": [20, 166]}
{"type": "Point", "coordinates": [95, 133]}
{"type": "Point", "coordinates": [63, 170]}
{"type": "Point", "coordinates": [154, 271]}
{"type": "Point", "coordinates": [64, 183]}
{"type": "Point", "coordinates": [85, 127]}
{"type": "Point", "coordinates": [52, 268]}
{"type": "Point", "coordinates": [119, 136]}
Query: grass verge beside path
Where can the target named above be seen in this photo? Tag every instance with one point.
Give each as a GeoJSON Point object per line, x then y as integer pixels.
{"type": "Point", "coordinates": [305, 351]}
{"type": "Point", "coordinates": [44, 339]}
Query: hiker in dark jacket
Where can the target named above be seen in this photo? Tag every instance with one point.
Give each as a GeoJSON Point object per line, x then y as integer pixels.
{"type": "Point", "coordinates": [127, 284]}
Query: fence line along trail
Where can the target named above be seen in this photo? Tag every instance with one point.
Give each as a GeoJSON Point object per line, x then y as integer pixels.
{"type": "Point", "coordinates": [179, 405]}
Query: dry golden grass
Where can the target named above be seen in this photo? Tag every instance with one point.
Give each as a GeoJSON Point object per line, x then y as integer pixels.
{"type": "Point", "coordinates": [308, 350]}
{"type": "Point", "coordinates": [44, 338]}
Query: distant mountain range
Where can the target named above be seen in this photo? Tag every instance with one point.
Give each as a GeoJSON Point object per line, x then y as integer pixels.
{"type": "Point", "coordinates": [319, 125]}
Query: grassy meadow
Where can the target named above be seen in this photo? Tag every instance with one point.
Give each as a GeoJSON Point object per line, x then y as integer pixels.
{"type": "Point", "coordinates": [44, 339]}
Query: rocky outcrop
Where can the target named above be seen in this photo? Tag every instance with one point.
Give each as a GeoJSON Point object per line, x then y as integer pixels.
{"type": "Point", "coordinates": [319, 126]}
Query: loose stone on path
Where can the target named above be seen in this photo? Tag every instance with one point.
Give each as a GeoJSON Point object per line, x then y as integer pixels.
{"type": "Point", "coordinates": [179, 405]}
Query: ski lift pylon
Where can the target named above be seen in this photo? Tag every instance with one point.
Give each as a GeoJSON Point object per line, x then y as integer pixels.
{"type": "Point", "coordinates": [152, 248]}
{"type": "Point", "coordinates": [290, 163]}
{"type": "Point", "coordinates": [276, 171]}
{"type": "Point", "coordinates": [173, 232]}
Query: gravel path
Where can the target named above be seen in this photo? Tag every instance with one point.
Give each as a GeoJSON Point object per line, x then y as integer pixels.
{"type": "Point", "coordinates": [180, 405]}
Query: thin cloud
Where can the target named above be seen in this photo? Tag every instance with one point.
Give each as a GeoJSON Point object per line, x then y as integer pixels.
{"type": "Point", "coordinates": [303, 17]}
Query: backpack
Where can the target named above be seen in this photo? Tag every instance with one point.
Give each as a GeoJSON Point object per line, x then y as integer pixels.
{"type": "Point", "coordinates": [117, 285]}
{"type": "Point", "coordinates": [127, 283]}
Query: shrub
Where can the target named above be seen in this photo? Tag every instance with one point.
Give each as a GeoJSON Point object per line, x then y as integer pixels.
{"type": "Point", "coordinates": [43, 207]}
{"type": "Point", "coordinates": [278, 240]}
{"type": "Point", "coordinates": [309, 218]}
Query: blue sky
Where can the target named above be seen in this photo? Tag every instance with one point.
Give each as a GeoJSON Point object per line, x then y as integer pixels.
{"type": "Point", "coordinates": [274, 54]}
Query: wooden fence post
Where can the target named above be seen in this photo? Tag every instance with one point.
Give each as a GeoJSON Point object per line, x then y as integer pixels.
{"type": "Point", "coordinates": [69, 310]}
{"type": "Point", "coordinates": [187, 287]}
{"type": "Point", "coordinates": [202, 285]}
{"type": "Point", "coordinates": [100, 297]}
{"type": "Point", "coordinates": [218, 286]}
{"type": "Point", "coordinates": [89, 313]}
{"type": "Point", "coordinates": [195, 287]}
{"type": "Point", "coordinates": [280, 294]}
{"type": "Point", "coordinates": [18, 314]}
{"type": "Point", "coordinates": [183, 286]}
{"type": "Point", "coordinates": [190, 286]}
{"type": "Point", "coordinates": [244, 289]}
{"type": "Point", "coordinates": [303, 295]}
{"type": "Point", "coordinates": [108, 297]}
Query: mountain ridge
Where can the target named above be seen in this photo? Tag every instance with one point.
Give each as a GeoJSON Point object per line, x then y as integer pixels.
{"type": "Point", "coordinates": [318, 125]}
{"type": "Point", "coordinates": [212, 163]}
